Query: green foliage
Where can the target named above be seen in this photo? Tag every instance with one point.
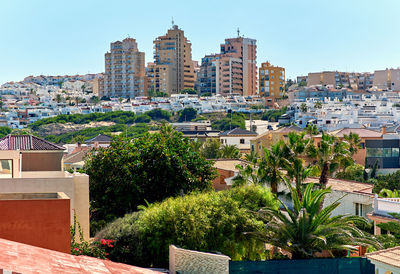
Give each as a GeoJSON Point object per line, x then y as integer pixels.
{"type": "Point", "coordinates": [188, 91]}
{"type": "Point", "coordinates": [211, 149]}
{"type": "Point", "coordinates": [4, 131]}
{"type": "Point", "coordinates": [211, 222]}
{"type": "Point", "coordinates": [238, 120]}
{"type": "Point", "coordinates": [118, 117]}
{"type": "Point", "coordinates": [159, 114]}
{"type": "Point", "coordinates": [387, 193]}
{"type": "Point", "coordinates": [273, 114]}
{"type": "Point", "coordinates": [388, 181]}
{"type": "Point", "coordinates": [143, 118]}
{"type": "Point", "coordinates": [354, 172]}
{"type": "Point", "coordinates": [86, 133]}
{"type": "Point", "coordinates": [307, 228]}
{"type": "Point", "coordinates": [149, 168]}
{"type": "Point", "coordinates": [82, 247]}
{"type": "Point", "coordinates": [187, 114]}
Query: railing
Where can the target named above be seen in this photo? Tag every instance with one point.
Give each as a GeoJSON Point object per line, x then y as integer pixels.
{"type": "Point", "coordinates": [386, 205]}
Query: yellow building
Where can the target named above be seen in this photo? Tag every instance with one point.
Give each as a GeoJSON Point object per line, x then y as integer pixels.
{"type": "Point", "coordinates": [173, 68]}
{"type": "Point", "coordinates": [268, 138]}
{"type": "Point", "coordinates": [272, 81]}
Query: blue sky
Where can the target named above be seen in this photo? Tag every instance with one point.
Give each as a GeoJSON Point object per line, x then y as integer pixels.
{"type": "Point", "coordinates": [68, 36]}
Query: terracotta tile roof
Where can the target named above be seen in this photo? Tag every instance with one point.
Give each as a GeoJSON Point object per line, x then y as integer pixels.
{"type": "Point", "coordinates": [390, 256]}
{"type": "Point", "coordinates": [22, 258]}
{"type": "Point", "coordinates": [239, 131]}
{"type": "Point", "coordinates": [227, 164]}
{"type": "Point", "coordinates": [362, 132]}
{"type": "Point", "coordinates": [26, 142]}
{"type": "Point", "coordinates": [344, 185]}
{"type": "Point", "coordinates": [75, 157]}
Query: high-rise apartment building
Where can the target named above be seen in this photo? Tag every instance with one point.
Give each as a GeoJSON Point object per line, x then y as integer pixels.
{"type": "Point", "coordinates": [124, 70]}
{"type": "Point", "coordinates": [271, 81]}
{"type": "Point", "coordinates": [233, 70]}
{"type": "Point", "coordinates": [173, 68]}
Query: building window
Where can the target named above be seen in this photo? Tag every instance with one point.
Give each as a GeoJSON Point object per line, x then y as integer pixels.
{"type": "Point", "coordinates": [362, 145]}
{"type": "Point", "coordinates": [242, 141]}
{"type": "Point", "coordinates": [6, 168]}
{"type": "Point", "coordinates": [252, 147]}
{"type": "Point", "coordinates": [360, 210]}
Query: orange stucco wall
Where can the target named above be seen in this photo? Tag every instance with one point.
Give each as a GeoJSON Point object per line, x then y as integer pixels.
{"type": "Point", "coordinates": [38, 222]}
{"type": "Point", "coordinates": [219, 182]}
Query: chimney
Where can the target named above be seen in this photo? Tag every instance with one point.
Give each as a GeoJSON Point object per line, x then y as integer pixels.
{"type": "Point", "coordinates": [383, 130]}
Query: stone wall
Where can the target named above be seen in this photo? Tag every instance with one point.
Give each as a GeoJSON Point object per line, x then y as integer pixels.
{"type": "Point", "coordinates": [188, 261]}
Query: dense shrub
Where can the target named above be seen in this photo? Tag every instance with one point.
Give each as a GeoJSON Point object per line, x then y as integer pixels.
{"type": "Point", "coordinates": [212, 221]}
{"type": "Point", "coordinates": [227, 123]}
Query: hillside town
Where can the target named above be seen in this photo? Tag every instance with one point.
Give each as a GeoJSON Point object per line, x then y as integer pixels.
{"type": "Point", "coordinates": [218, 165]}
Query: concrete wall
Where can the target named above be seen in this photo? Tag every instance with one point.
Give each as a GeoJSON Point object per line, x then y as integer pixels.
{"type": "Point", "coordinates": [39, 220]}
{"type": "Point", "coordinates": [76, 187]}
{"type": "Point", "coordinates": [189, 261]}
{"type": "Point", "coordinates": [219, 182]}
{"type": "Point", "coordinates": [347, 203]}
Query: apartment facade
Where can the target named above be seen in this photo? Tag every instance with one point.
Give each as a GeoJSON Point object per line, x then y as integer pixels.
{"type": "Point", "coordinates": [337, 79]}
{"type": "Point", "coordinates": [124, 70]}
{"type": "Point", "coordinates": [272, 81]}
{"type": "Point", "coordinates": [233, 70]}
{"type": "Point", "coordinates": [173, 68]}
{"type": "Point", "coordinates": [388, 79]}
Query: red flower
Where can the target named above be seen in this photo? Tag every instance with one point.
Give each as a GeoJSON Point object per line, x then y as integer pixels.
{"type": "Point", "coordinates": [76, 249]}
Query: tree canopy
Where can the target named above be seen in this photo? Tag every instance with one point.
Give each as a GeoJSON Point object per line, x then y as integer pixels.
{"type": "Point", "coordinates": [147, 169]}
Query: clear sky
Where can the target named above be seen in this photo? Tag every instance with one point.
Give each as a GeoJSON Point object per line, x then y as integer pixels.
{"type": "Point", "coordinates": [68, 36]}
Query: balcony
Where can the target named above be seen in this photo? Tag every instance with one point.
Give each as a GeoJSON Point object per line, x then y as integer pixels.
{"type": "Point", "coordinates": [383, 207]}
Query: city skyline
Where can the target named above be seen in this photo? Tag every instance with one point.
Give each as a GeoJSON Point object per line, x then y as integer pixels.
{"type": "Point", "coordinates": [53, 39]}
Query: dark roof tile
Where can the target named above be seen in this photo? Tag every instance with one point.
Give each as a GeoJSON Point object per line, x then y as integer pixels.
{"type": "Point", "coordinates": [26, 142]}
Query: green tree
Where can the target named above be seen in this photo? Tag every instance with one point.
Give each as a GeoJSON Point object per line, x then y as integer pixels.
{"type": "Point", "coordinates": [210, 222]}
{"type": "Point", "coordinates": [318, 105]}
{"type": "Point", "coordinates": [328, 154]}
{"type": "Point", "coordinates": [188, 91]}
{"type": "Point", "coordinates": [187, 114]}
{"type": "Point", "coordinates": [271, 165]}
{"type": "Point", "coordinates": [387, 193]}
{"type": "Point", "coordinates": [307, 228]}
{"type": "Point", "coordinates": [94, 100]}
{"type": "Point", "coordinates": [211, 149]}
{"type": "Point", "coordinates": [231, 121]}
{"type": "Point", "coordinates": [4, 131]}
{"type": "Point", "coordinates": [79, 139]}
{"type": "Point", "coordinates": [354, 142]}
{"type": "Point", "coordinates": [311, 130]}
{"type": "Point", "coordinates": [229, 152]}
{"type": "Point", "coordinates": [150, 168]}
{"type": "Point", "coordinates": [159, 114]}
{"type": "Point", "coordinates": [303, 108]}
{"type": "Point", "coordinates": [353, 172]}
{"type": "Point", "coordinates": [58, 98]}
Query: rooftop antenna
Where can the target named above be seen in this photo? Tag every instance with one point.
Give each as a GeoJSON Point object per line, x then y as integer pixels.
{"type": "Point", "coordinates": [238, 31]}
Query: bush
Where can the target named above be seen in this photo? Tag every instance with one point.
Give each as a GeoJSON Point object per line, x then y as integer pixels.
{"type": "Point", "coordinates": [159, 114]}
{"type": "Point", "coordinates": [187, 114]}
{"type": "Point", "coordinates": [238, 120]}
{"type": "Point", "coordinates": [211, 222]}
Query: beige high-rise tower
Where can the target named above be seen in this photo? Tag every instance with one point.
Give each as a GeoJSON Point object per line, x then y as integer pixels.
{"type": "Point", "coordinates": [124, 70]}
{"type": "Point", "coordinates": [173, 66]}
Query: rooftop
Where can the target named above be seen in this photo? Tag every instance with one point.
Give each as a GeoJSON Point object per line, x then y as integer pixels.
{"type": "Point", "coordinates": [23, 258]}
{"type": "Point", "coordinates": [228, 164]}
{"type": "Point", "coordinates": [345, 185]}
{"type": "Point", "coordinates": [239, 131]}
{"type": "Point", "coordinates": [361, 132]}
{"type": "Point", "coordinates": [99, 138]}
{"type": "Point", "coordinates": [390, 256]}
{"type": "Point", "coordinates": [26, 142]}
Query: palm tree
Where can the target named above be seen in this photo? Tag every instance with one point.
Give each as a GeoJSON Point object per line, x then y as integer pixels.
{"type": "Point", "coordinates": [58, 98]}
{"type": "Point", "coordinates": [328, 155]}
{"type": "Point", "coordinates": [354, 142]}
{"type": "Point", "coordinates": [311, 130]}
{"type": "Point", "coordinates": [303, 107]}
{"type": "Point", "coordinates": [271, 165]}
{"type": "Point", "coordinates": [248, 174]}
{"type": "Point", "coordinates": [307, 229]}
{"type": "Point", "coordinates": [295, 149]}
{"type": "Point", "coordinates": [251, 157]}
{"type": "Point", "coordinates": [230, 152]}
